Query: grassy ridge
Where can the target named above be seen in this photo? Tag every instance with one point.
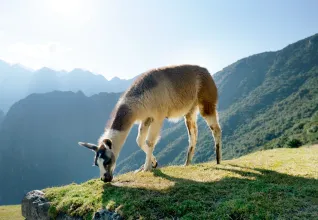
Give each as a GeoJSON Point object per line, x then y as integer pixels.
{"type": "Point", "coordinates": [273, 184]}
{"type": "Point", "coordinates": [12, 212]}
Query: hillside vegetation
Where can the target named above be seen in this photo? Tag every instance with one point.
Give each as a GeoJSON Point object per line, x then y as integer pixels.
{"type": "Point", "coordinates": [272, 184]}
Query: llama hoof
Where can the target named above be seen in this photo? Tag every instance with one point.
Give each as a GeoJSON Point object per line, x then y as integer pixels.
{"type": "Point", "coordinates": [140, 169]}
{"type": "Point", "coordinates": [146, 169]}
{"type": "Point", "coordinates": [186, 164]}
{"type": "Point", "coordinates": [155, 166]}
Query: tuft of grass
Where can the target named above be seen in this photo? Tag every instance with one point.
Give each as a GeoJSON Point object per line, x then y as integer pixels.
{"type": "Point", "coordinates": [12, 212]}
{"type": "Point", "coordinates": [272, 184]}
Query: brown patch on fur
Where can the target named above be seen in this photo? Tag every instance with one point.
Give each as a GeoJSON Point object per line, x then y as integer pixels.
{"type": "Point", "coordinates": [191, 149]}
{"type": "Point", "coordinates": [206, 108]}
{"type": "Point", "coordinates": [102, 147]}
{"type": "Point", "coordinates": [207, 95]}
{"type": "Point", "coordinates": [144, 83]}
{"type": "Point", "coordinates": [148, 121]}
{"type": "Point", "coordinates": [190, 124]}
{"type": "Point", "coordinates": [108, 142]}
{"type": "Point", "coordinates": [181, 78]}
{"type": "Point", "coordinates": [122, 118]}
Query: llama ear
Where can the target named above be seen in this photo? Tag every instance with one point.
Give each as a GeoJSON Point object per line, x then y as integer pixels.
{"type": "Point", "coordinates": [89, 146]}
{"type": "Point", "coordinates": [108, 142]}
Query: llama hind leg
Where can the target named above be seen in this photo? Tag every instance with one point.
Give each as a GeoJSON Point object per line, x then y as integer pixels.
{"type": "Point", "coordinates": [152, 138]}
{"type": "Point", "coordinates": [191, 123]}
{"type": "Point", "coordinates": [141, 138]}
{"type": "Point", "coordinates": [217, 134]}
{"type": "Point", "coordinates": [210, 115]}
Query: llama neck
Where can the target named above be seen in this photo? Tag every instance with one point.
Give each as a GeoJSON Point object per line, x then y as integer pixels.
{"type": "Point", "coordinates": [119, 127]}
{"type": "Point", "coordinates": [118, 139]}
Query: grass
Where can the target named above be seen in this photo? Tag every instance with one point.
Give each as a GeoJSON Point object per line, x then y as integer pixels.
{"type": "Point", "coordinates": [12, 212]}
{"type": "Point", "coordinates": [272, 184]}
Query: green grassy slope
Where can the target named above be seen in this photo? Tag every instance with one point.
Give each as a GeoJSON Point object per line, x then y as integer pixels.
{"type": "Point", "coordinates": [10, 212]}
{"type": "Point", "coordinates": [271, 184]}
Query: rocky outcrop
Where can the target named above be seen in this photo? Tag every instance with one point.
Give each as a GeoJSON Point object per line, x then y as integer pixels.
{"type": "Point", "coordinates": [106, 215]}
{"type": "Point", "coordinates": [35, 206]}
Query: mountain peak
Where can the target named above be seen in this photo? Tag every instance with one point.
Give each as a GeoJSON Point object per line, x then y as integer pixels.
{"type": "Point", "coordinates": [45, 69]}
{"type": "Point", "coordinates": [115, 79]}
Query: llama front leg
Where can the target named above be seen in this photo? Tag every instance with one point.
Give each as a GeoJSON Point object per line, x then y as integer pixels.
{"type": "Point", "coordinates": [191, 123]}
{"type": "Point", "coordinates": [141, 139]}
{"type": "Point", "coordinates": [152, 138]}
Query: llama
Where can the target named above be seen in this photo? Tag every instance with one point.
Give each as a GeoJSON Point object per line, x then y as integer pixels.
{"type": "Point", "coordinates": [163, 93]}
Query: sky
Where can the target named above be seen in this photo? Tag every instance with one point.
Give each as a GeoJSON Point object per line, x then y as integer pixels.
{"type": "Point", "coordinates": [125, 38]}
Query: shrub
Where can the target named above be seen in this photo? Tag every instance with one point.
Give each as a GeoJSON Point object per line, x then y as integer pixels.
{"type": "Point", "coordinates": [313, 129]}
{"type": "Point", "coordinates": [294, 143]}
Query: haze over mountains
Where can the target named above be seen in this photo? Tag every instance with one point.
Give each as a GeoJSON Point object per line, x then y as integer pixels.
{"type": "Point", "coordinates": [17, 82]}
{"type": "Point", "coordinates": [265, 101]}
{"type": "Point", "coordinates": [1, 116]}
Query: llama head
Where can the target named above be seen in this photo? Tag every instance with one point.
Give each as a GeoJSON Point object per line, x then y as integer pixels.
{"type": "Point", "coordinates": [104, 158]}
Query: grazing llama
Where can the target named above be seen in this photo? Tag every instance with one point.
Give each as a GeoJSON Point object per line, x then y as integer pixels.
{"type": "Point", "coordinates": [167, 92]}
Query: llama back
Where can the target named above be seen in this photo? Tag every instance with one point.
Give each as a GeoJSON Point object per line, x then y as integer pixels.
{"type": "Point", "coordinates": [168, 91]}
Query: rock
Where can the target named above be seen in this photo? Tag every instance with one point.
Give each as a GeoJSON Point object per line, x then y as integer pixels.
{"type": "Point", "coordinates": [106, 215]}
{"type": "Point", "coordinates": [36, 206]}
{"type": "Point", "coordinates": [67, 217]}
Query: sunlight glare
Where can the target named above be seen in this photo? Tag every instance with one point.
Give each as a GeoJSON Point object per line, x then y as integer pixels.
{"type": "Point", "coordinates": [70, 9]}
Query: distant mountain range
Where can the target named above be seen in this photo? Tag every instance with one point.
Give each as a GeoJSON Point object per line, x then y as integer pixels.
{"type": "Point", "coordinates": [267, 100]}
{"type": "Point", "coordinates": [17, 82]}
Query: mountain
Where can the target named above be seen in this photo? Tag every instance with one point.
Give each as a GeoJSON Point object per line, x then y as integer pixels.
{"type": "Point", "coordinates": [1, 116]}
{"type": "Point", "coordinates": [267, 100]}
{"type": "Point", "coordinates": [44, 80]}
{"type": "Point", "coordinates": [17, 82]}
{"type": "Point", "coordinates": [14, 81]}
